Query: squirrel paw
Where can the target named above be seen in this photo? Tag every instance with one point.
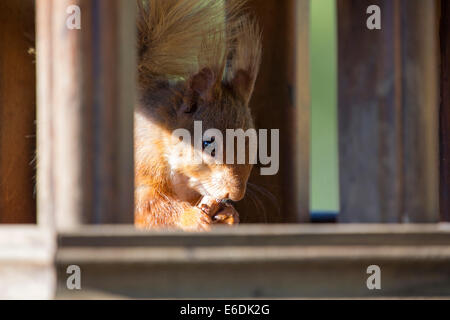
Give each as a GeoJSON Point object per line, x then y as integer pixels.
{"type": "Point", "coordinates": [228, 215]}
{"type": "Point", "coordinates": [194, 219]}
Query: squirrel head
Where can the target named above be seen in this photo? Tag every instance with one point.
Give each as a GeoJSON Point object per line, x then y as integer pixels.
{"type": "Point", "coordinates": [199, 166]}
{"type": "Point", "coordinates": [191, 70]}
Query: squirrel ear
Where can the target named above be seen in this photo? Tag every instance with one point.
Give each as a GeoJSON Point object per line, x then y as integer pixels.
{"type": "Point", "coordinates": [243, 85]}
{"type": "Point", "coordinates": [202, 83]}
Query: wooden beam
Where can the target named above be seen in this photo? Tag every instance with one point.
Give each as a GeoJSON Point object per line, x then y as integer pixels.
{"type": "Point", "coordinates": [278, 261]}
{"type": "Point", "coordinates": [17, 112]}
{"type": "Point", "coordinates": [444, 115]}
{"type": "Point", "coordinates": [388, 102]}
{"type": "Point", "coordinates": [86, 83]}
{"type": "Point", "coordinates": [368, 113]}
{"type": "Point", "coordinates": [27, 262]}
{"type": "Point", "coordinates": [258, 261]}
{"type": "Point", "coordinates": [281, 101]}
{"type": "Point", "coordinates": [420, 108]}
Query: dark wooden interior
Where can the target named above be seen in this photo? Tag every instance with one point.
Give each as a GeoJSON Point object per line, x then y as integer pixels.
{"type": "Point", "coordinates": [17, 112]}
{"type": "Point", "coordinates": [444, 115]}
{"type": "Point", "coordinates": [281, 101]}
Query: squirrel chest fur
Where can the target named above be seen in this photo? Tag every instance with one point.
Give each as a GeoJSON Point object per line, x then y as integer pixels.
{"type": "Point", "coordinates": [198, 62]}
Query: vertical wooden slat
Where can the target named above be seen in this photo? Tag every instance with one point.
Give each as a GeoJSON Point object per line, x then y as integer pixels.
{"type": "Point", "coordinates": [368, 113]}
{"type": "Point", "coordinates": [302, 113]}
{"type": "Point", "coordinates": [85, 118]}
{"type": "Point", "coordinates": [387, 112]}
{"type": "Point", "coordinates": [17, 112]}
{"type": "Point", "coordinates": [444, 115]}
{"type": "Point", "coordinates": [420, 100]}
{"type": "Point", "coordinates": [281, 101]}
{"type": "Point", "coordinates": [45, 180]}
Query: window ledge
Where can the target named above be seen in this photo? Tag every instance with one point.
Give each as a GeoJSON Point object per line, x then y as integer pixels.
{"type": "Point", "coordinates": [257, 261]}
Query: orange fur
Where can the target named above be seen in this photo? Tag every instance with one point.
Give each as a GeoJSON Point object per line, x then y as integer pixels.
{"type": "Point", "coordinates": [198, 60]}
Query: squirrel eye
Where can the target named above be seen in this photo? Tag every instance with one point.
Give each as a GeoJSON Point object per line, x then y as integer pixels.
{"type": "Point", "coordinates": [207, 143]}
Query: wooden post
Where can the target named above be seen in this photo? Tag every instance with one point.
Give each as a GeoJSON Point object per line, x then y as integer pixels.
{"type": "Point", "coordinates": [388, 112]}
{"type": "Point", "coordinates": [17, 112]}
{"type": "Point", "coordinates": [420, 105]}
{"type": "Point", "coordinates": [444, 115]}
{"type": "Point", "coordinates": [86, 83]}
{"type": "Point", "coordinates": [281, 101]}
{"type": "Point", "coordinates": [368, 113]}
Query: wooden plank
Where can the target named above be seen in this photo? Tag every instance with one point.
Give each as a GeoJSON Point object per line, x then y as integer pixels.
{"type": "Point", "coordinates": [17, 112]}
{"type": "Point", "coordinates": [86, 97]}
{"type": "Point", "coordinates": [420, 108]}
{"type": "Point", "coordinates": [281, 101]}
{"type": "Point", "coordinates": [262, 235]}
{"type": "Point", "coordinates": [444, 115]}
{"type": "Point", "coordinates": [388, 102]}
{"type": "Point", "coordinates": [27, 263]}
{"type": "Point", "coordinates": [369, 113]}
{"type": "Point", "coordinates": [260, 280]}
{"type": "Point", "coordinates": [257, 261]}
{"type": "Point", "coordinates": [44, 115]}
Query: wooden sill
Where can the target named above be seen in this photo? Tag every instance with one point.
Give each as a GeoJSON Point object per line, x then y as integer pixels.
{"type": "Point", "coordinates": [257, 261]}
{"type": "Point", "coordinates": [250, 261]}
{"type": "Point", "coordinates": [27, 255]}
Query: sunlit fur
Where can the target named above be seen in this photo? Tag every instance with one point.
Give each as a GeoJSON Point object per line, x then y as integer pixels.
{"type": "Point", "coordinates": [192, 67]}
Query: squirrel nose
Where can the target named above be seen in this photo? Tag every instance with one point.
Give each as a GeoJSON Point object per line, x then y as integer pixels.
{"type": "Point", "coordinates": [237, 195]}
{"type": "Point", "coordinates": [226, 201]}
{"type": "Point", "coordinates": [230, 197]}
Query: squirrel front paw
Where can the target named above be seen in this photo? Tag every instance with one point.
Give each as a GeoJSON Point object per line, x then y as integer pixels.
{"type": "Point", "coordinates": [194, 219]}
{"type": "Point", "coordinates": [221, 213]}
{"type": "Point", "coordinates": [227, 215]}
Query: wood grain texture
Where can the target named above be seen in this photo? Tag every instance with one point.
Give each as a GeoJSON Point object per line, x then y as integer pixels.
{"type": "Point", "coordinates": [27, 262]}
{"type": "Point", "coordinates": [85, 118]}
{"type": "Point", "coordinates": [444, 114]}
{"type": "Point", "coordinates": [420, 108]}
{"type": "Point", "coordinates": [368, 114]}
{"type": "Point", "coordinates": [283, 261]}
{"type": "Point", "coordinates": [17, 112]}
{"type": "Point", "coordinates": [281, 101]}
{"type": "Point", "coordinates": [388, 101]}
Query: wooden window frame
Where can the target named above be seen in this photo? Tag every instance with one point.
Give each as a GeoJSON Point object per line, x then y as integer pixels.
{"type": "Point", "coordinates": [247, 261]}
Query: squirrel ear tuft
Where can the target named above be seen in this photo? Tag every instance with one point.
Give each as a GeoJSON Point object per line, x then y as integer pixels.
{"type": "Point", "coordinates": [202, 83]}
{"type": "Point", "coordinates": [243, 85]}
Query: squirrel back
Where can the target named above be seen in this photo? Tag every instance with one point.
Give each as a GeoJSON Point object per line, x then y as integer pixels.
{"type": "Point", "coordinates": [198, 61]}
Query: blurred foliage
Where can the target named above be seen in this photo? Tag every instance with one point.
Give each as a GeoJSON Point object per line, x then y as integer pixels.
{"type": "Point", "coordinates": [324, 150]}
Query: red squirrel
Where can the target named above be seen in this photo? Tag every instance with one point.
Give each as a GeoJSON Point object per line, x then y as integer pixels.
{"type": "Point", "coordinates": [198, 61]}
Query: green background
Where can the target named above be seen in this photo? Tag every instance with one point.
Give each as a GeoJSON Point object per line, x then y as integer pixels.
{"type": "Point", "coordinates": [324, 152]}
